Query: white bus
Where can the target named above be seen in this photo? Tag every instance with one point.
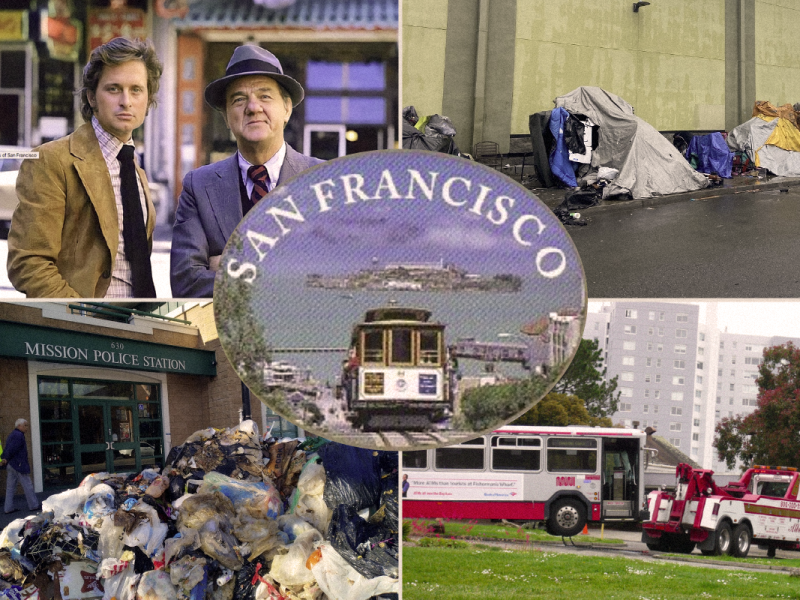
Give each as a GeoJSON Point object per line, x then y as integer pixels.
{"type": "Point", "coordinates": [564, 476]}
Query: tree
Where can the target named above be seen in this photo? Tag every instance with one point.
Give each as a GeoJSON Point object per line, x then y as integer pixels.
{"type": "Point", "coordinates": [585, 379]}
{"type": "Point", "coordinates": [560, 410]}
{"type": "Point", "coordinates": [771, 434]}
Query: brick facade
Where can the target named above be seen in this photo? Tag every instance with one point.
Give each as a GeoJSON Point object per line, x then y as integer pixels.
{"type": "Point", "coordinates": [14, 403]}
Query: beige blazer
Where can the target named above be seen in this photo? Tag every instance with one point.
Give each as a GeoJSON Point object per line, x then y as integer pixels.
{"type": "Point", "coordinates": [64, 233]}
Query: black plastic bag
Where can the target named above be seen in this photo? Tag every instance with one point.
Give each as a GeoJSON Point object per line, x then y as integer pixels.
{"type": "Point", "coordinates": [369, 549]}
{"type": "Point", "coordinates": [352, 476]}
{"type": "Point", "coordinates": [410, 114]}
{"type": "Point", "coordinates": [245, 588]}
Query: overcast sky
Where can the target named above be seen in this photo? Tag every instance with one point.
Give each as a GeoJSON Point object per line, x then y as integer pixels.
{"type": "Point", "coordinates": [756, 318]}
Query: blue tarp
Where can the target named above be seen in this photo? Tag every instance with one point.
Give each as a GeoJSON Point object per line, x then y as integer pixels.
{"type": "Point", "coordinates": [559, 155]}
{"type": "Point", "coordinates": [713, 154]}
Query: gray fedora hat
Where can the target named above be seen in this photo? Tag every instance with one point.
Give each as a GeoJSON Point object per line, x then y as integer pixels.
{"type": "Point", "coordinates": [252, 60]}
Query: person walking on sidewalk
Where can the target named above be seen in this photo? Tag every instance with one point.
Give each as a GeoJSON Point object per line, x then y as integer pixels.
{"type": "Point", "coordinates": [15, 457]}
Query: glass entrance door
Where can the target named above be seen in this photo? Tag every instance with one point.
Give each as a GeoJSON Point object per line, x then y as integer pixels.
{"type": "Point", "coordinates": [107, 439]}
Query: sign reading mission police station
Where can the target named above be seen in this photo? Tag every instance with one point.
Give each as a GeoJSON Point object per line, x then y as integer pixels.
{"type": "Point", "coordinates": [57, 345]}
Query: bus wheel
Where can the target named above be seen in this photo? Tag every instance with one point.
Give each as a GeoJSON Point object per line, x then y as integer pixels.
{"type": "Point", "coordinates": [567, 517]}
{"type": "Point", "coordinates": [742, 538]}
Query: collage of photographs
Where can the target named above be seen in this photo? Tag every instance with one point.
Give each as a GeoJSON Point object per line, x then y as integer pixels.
{"type": "Point", "coordinates": [399, 299]}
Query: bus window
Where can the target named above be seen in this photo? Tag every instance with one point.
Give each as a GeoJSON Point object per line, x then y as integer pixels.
{"type": "Point", "coordinates": [415, 459]}
{"type": "Point", "coordinates": [524, 456]}
{"type": "Point", "coordinates": [373, 346]}
{"type": "Point", "coordinates": [461, 456]}
{"type": "Point", "coordinates": [571, 455]}
{"type": "Point", "coordinates": [401, 347]}
{"type": "Point", "coordinates": [429, 348]}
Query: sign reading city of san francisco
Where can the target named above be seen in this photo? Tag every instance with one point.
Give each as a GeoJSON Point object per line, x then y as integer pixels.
{"type": "Point", "coordinates": [400, 299]}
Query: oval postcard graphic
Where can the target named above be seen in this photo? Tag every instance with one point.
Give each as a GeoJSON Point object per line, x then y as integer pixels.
{"type": "Point", "coordinates": [400, 300]}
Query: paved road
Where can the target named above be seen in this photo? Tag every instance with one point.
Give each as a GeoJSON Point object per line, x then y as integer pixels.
{"type": "Point", "coordinates": [736, 245]}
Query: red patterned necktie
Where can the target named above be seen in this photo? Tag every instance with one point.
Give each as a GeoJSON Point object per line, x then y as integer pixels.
{"type": "Point", "coordinates": [260, 178]}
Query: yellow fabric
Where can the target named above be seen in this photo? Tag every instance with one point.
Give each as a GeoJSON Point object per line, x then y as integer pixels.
{"type": "Point", "coordinates": [785, 135]}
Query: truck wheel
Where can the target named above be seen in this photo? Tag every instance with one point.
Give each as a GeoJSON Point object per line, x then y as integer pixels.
{"type": "Point", "coordinates": [742, 539]}
{"type": "Point", "coordinates": [723, 539]}
{"type": "Point", "coordinates": [567, 517]}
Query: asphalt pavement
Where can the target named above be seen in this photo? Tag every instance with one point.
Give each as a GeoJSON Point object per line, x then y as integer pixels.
{"type": "Point", "coordinates": [734, 242]}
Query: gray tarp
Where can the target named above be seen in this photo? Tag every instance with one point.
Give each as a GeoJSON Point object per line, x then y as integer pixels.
{"type": "Point", "coordinates": [750, 137]}
{"type": "Point", "coordinates": [648, 164]}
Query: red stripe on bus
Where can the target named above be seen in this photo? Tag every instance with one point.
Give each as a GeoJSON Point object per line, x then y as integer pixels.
{"type": "Point", "coordinates": [428, 509]}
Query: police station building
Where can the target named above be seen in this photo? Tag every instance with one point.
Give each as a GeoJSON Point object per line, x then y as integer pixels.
{"type": "Point", "coordinates": [113, 387]}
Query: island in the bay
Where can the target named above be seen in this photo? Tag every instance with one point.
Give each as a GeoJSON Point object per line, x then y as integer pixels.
{"type": "Point", "coordinates": [417, 277]}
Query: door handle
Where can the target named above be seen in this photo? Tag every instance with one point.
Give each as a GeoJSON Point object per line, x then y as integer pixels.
{"type": "Point", "coordinates": [110, 446]}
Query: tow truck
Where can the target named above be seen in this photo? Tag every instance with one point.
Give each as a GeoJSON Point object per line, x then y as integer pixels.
{"type": "Point", "coordinates": [762, 508]}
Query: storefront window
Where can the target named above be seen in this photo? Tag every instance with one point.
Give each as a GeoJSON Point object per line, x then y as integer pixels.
{"type": "Point", "coordinates": [145, 392]}
{"type": "Point", "coordinates": [53, 388]}
{"type": "Point", "coordinates": [116, 390]}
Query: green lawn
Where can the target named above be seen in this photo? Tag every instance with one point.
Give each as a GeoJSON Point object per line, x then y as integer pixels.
{"type": "Point", "coordinates": [421, 527]}
{"type": "Point", "coordinates": [781, 562]}
{"type": "Point", "coordinates": [481, 573]}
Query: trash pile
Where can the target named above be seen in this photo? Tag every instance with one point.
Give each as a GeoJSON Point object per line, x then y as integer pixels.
{"type": "Point", "coordinates": [771, 139]}
{"type": "Point", "coordinates": [228, 518]}
{"type": "Point", "coordinates": [434, 132]}
{"type": "Point", "coordinates": [591, 128]}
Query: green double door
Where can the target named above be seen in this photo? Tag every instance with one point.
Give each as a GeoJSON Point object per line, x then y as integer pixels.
{"type": "Point", "coordinates": [108, 436]}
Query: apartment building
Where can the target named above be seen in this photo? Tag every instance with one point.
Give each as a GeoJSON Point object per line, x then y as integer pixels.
{"type": "Point", "coordinates": [676, 374]}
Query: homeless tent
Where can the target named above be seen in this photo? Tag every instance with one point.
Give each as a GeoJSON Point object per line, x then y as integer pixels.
{"type": "Point", "coordinates": [648, 164]}
{"type": "Point", "coordinates": [771, 139]}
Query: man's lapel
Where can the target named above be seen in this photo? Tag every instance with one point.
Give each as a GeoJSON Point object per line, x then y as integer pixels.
{"type": "Point", "coordinates": [93, 172]}
{"type": "Point", "coordinates": [224, 195]}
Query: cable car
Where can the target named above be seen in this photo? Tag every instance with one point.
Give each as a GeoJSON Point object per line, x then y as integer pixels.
{"type": "Point", "coordinates": [398, 374]}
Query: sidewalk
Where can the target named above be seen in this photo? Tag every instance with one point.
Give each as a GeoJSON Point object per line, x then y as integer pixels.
{"type": "Point", "coordinates": [22, 505]}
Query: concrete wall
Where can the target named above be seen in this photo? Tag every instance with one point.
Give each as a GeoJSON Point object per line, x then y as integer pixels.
{"type": "Point", "coordinates": [667, 60]}
{"type": "Point", "coordinates": [424, 40]}
{"type": "Point", "coordinates": [777, 53]}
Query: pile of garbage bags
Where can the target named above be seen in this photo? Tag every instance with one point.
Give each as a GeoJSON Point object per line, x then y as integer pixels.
{"type": "Point", "coordinates": [434, 132]}
{"type": "Point", "coordinates": [228, 518]}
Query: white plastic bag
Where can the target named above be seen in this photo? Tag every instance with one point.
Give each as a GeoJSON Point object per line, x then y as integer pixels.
{"type": "Point", "coordinates": [67, 503]}
{"type": "Point", "coordinates": [292, 525]}
{"type": "Point", "coordinates": [155, 585]}
{"type": "Point", "coordinates": [311, 506]}
{"type": "Point", "coordinates": [290, 568]}
{"type": "Point", "coordinates": [111, 544]}
{"type": "Point", "coordinates": [99, 504]}
{"type": "Point", "coordinates": [340, 581]}
{"type": "Point", "coordinates": [9, 537]}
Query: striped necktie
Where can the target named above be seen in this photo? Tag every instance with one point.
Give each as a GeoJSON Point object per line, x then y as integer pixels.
{"type": "Point", "coordinates": [260, 177]}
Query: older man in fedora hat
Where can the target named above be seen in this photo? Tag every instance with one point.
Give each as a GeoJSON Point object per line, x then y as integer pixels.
{"type": "Point", "coordinates": [256, 100]}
